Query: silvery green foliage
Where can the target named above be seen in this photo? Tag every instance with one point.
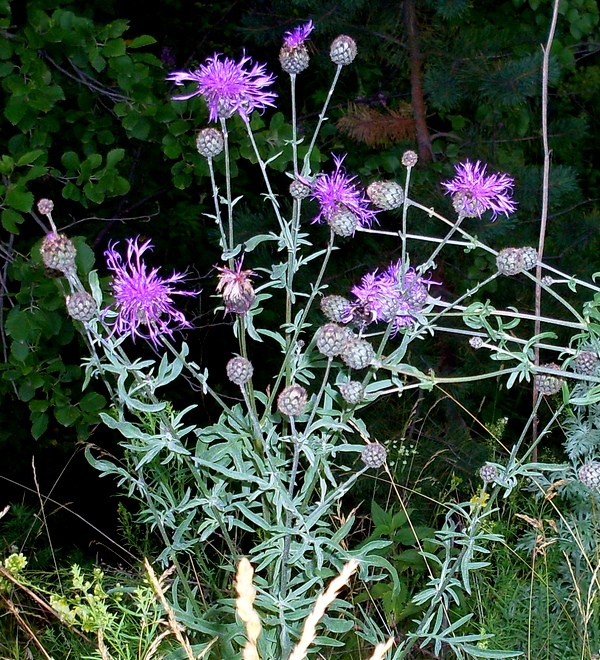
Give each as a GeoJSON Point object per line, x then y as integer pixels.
{"type": "Point", "coordinates": [267, 485]}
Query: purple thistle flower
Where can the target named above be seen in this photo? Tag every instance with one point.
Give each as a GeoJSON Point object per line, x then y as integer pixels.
{"type": "Point", "coordinates": [394, 296]}
{"type": "Point", "coordinates": [337, 190]}
{"type": "Point", "coordinates": [298, 35]}
{"type": "Point", "coordinates": [228, 86]}
{"type": "Point", "coordinates": [475, 192]}
{"type": "Point", "coordinates": [143, 299]}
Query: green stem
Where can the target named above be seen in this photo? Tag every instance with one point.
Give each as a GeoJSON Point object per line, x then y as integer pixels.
{"type": "Point", "coordinates": [299, 328]}
{"type": "Point", "coordinates": [306, 166]}
{"type": "Point", "coordinates": [228, 186]}
{"type": "Point", "coordinates": [215, 192]}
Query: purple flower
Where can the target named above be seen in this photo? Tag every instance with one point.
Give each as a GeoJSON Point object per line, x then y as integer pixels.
{"type": "Point", "coordinates": [228, 86]}
{"type": "Point", "coordinates": [337, 190]}
{"type": "Point", "coordinates": [475, 192]}
{"type": "Point", "coordinates": [143, 299]}
{"type": "Point", "coordinates": [394, 296]}
{"type": "Point", "coordinates": [298, 35]}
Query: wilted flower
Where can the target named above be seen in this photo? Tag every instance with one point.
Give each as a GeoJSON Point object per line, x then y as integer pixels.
{"type": "Point", "coordinates": [475, 192]}
{"type": "Point", "coordinates": [228, 86]}
{"type": "Point", "coordinates": [396, 295]}
{"type": "Point", "coordinates": [337, 191]}
{"type": "Point", "coordinates": [236, 287]}
{"type": "Point", "coordinates": [143, 299]}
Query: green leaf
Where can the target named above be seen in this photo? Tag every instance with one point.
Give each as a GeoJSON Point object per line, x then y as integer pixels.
{"type": "Point", "coordinates": [19, 199]}
{"type": "Point", "coordinates": [70, 160]}
{"type": "Point", "coordinates": [93, 193]}
{"type": "Point", "coordinates": [66, 415]}
{"type": "Point", "coordinates": [143, 40]}
{"type": "Point", "coordinates": [26, 391]}
{"type": "Point", "coordinates": [10, 220]}
{"type": "Point", "coordinates": [114, 48]}
{"type": "Point", "coordinates": [92, 402]}
{"type": "Point", "coordinates": [6, 164]}
{"type": "Point", "coordinates": [20, 326]}
{"type": "Point", "coordinates": [39, 426]}
{"type": "Point", "coordinates": [16, 108]}
{"type": "Point", "coordinates": [19, 350]}
{"type": "Point", "coordinates": [380, 516]}
{"type": "Point", "coordinates": [85, 257]}
{"type": "Point", "coordinates": [30, 157]}
{"type": "Point", "coordinates": [114, 156]}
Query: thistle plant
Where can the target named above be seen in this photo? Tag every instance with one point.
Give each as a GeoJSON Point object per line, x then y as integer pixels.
{"type": "Point", "coordinates": [265, 480]}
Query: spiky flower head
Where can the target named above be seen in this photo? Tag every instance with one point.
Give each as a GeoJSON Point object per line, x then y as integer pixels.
{"type": "Point", "coordinates": [510, 261]}
{"type": "Point", "coordinates": [239, 370]}
{"type": "Point", "coordinates": [358, 354]}
{"type": "Point", "coordinates": [228, 86]}
{"type": "Point", "coordinates": [374, 455]}
{"type": "Point", "coordinates": [337, 192]}
{"type": "Point", "coordinates": [547, 384]}
{"type": "Point", "coordinates": [586, 363]}
{"type": "Point", "coordinates": [336, 308]}
{"type": "Point", "coordinates": [293, 55]}
{"type": "Point", "coordinates": [332, 339]}
{"type": "Point", "coordinates": [475, 192]}
{"type": "Point", "coordinates": [352, 392]}
{"type": "Point", "coordinates": [386, 195]}
{"type": "Point", "coordinates": [236, 288]}
{"type": "Point", "coordinates": [396, 295]}
{"type": "Point", "coordinates": [45, 206]}
{"type": "Point", "coordinates": [343, 50]}
{"type": "Point", "coordinates": [589, 474]}
{"type": "Point", "coordinates": [81, 306]}
{"type": "Point", "coordinates": [210, 142]}
{"type": "Point", "coordinates": [409, 158]}
{"type": "Point", "coordinates": [488, 473]}
{"type": "Point", "coordinates": [143, 299]}
{"type": "Point", "coordinates": [476, 342]}
{"type": "Point", "coordinates": [292, 400]}
{"type": "Point", "coordinates": [58, 253]}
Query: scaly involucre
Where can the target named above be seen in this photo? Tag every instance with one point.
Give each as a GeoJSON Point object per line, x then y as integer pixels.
{"type": "Point", "coordinates": [337, 190]}
{"type": "Point", "coordinates": [476, 192]}
{"type": "Point", "coordinates": [143, 299]}
{"type": "Point", "coordinates": [228, 86]}
{"type": "Point", "coordinates": [298, 35]}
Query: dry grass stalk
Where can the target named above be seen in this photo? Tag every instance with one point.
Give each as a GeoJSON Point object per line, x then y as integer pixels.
{"type": "Point", "coordinates": [14, 610]}
{"type": "Point", "coordinates": [104, 654]}
{"type": "Point", "coordinates": [382, 649]}
{"type": "Point", "coordinates": [244, 606]}
{"type": "Point", "coordinates": [375, 129]}
{"type": "Point", "coordinates": [175, 627]}
{"type": "Point", "coordinates": [309, 631]}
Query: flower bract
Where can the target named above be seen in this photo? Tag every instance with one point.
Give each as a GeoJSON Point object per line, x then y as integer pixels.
{"type": "Point", "coordinates": [475, 192]}
{"type": "Point", "coordinates": [143, 299]}
{"type": "Point", "coordinates": [228, 86]}
{"type": "Point", "coordinates": [338, 191]}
